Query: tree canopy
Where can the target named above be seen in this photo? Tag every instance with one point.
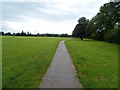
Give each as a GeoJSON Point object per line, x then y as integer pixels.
{"type": "Point", "coordinates": [105, 26]}
{"type": "Point", "coordinates": [80, 28]}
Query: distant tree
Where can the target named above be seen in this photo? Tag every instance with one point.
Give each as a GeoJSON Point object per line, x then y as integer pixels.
{"type": "Point", "coordinates": [23, 33]}
{"type": "Point", "coordinates": [52, 35]}
{"type": "Point", "coordinates": [17, 34]}
{"type": "Point", "coordinates": [38, 34]}
{"type": "Point", "coordinates": [13, 34]}
{"type": "Point", "coordinates": [56, 35]}
{"type": "Point", "coordinates": [8, 34]}
{"type": "Point", "coordinates": [1, 33]}
{"type": "Point", "coordinates": [28, 34]}
{"type": "Point", "coordinates": [79, 30]}
{"type": "Point", "coordinates": [64, 35]}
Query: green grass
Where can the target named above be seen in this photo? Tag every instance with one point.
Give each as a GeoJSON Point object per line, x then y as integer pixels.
{"type": "Point", "coordinates": [0, 62]}
{"type": "Point", "coordinates": [26, 59]}
{"type": "Point", "coordinates": [96, 62]}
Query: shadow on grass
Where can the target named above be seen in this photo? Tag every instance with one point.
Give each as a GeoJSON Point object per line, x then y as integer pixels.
{"type": "Point", "coordinates": [87, 40]}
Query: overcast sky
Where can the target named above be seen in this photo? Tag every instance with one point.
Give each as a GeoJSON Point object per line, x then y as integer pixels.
{"type": "Point", "coordinates": [46, 16]}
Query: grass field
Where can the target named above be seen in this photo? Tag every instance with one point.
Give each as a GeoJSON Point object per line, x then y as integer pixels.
{"type": "Point", "coordinates": [96, 62]}
{"type": "Point", "coordinates": [26, 59]}
{"type": "Point", "coordinates": [0, 62]}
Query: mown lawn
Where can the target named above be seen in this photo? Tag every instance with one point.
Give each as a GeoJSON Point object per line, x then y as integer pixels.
{"type": "Point", "coordinates": [26, 59]}
{"type": "Point", "coordinates": [96, 62]}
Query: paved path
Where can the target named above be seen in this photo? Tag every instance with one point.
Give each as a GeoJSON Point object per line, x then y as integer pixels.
{"type": "Point", "coordinates": [61, 73]}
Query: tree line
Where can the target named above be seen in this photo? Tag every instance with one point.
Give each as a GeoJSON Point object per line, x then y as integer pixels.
{"type": "Point", "coordinates": [29, 34]}
{"type": "Point", "coordinates": [105, 26]}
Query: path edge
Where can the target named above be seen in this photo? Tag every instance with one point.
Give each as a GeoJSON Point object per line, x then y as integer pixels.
{"type": "Point", "coordinates": [77, 80]}
{"type": "Point", "coordinates": [76, 76]}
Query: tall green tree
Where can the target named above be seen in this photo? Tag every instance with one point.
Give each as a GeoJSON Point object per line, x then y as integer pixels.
{"type": "Point", "coordinates": [105, 22]}
{"type": "Point", "coordinates": [80, 28]}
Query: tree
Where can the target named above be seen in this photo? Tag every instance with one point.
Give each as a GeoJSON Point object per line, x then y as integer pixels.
{"type": "Point", "coordinates": [38, 34]}
{"type": "Point", "coordinates": [113, 35]}
{"type": "Point", "coordinates": [13, 34]}
{"type": "Point", "coordinates": [23, 33]}
{"type": "Point", "coordinates": [8, 34]}
{"type": "Point", "coordinates": [28, 34]}
{"type": "Point", "coordinates": [17, 34]}
{"type": "Point", "coordinates": [80, 28]}
{"type": "Point", "coordinates": [1, 33]}
{"type": "Point", "coordinates": [103, 25]}
{"type": "Point", "coordinates": [64, 35]}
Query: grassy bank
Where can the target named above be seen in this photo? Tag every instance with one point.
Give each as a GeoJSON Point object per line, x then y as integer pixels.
{"type": "Point", "coordinates": [26, 59]}
{"type": "Point", "coordinates": [96, 62]}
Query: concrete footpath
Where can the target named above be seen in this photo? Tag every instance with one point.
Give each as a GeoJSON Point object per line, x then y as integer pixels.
{"type": "Point", "coordinates": [61, 73]}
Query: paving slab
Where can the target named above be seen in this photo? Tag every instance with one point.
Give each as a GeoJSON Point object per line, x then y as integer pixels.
{"type": "Point", "coordinates": [61, 72]}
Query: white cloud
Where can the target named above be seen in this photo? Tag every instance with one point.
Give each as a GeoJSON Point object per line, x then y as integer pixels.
{"type": "Point", "coordinates": [49, 16]}
{"type": "Point", "coordinates": [40, 26]}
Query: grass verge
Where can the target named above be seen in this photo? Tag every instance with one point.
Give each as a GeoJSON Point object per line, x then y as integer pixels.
{"type": "Point", "coordinates": [96, 62]}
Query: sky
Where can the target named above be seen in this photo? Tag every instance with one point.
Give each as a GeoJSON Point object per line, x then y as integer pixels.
{"type": "Point", "coordinates": [46, 16]}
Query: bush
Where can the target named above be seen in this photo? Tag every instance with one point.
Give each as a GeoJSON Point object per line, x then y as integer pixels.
{"type": "Point", "coordinates": [97, 36]}
{"type": "Point", "coordinates": [113, 35]}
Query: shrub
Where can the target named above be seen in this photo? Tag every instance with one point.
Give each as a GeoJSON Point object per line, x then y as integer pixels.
{"type": "Point", "coordinates": [113, 35]}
